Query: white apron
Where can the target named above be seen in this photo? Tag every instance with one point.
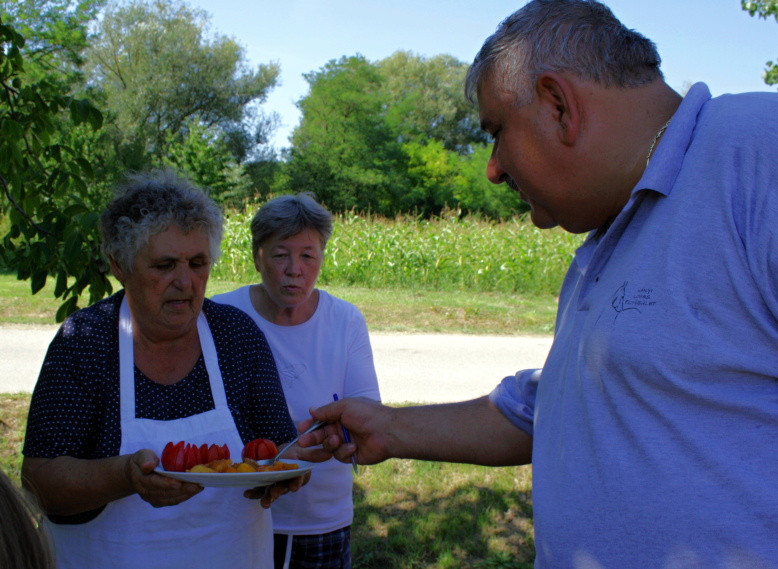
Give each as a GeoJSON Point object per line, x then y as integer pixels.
{"type": "Point", "coordinates": [216, 528]}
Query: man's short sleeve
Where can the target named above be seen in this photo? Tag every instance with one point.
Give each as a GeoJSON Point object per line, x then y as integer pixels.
{"type": "Point", "coordinates": [515, 398]}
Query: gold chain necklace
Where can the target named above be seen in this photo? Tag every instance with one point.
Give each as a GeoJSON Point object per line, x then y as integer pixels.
{"type": "Point", "coordinates": [656, 138]}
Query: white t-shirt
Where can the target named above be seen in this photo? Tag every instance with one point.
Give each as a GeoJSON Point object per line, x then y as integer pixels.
{"type": "Point", "coordinates": [328, 354]}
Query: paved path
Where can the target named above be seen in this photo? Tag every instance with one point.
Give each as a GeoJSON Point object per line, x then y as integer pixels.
{"type": "Point", "coordinates": [435, 368]}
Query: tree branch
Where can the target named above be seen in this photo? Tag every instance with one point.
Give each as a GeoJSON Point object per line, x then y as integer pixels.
{"type": "Point", "coordinates": [17, 207]}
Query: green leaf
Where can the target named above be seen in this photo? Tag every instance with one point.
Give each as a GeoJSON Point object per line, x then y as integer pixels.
{"type": "Point", "coordinates": [67, 308]}
{"type": "Point", "coordinates": [38, 280]}
{"type": "Point", "coordinates": [72, 248]}
{"type": "Point", "coordinates": [62, 284]}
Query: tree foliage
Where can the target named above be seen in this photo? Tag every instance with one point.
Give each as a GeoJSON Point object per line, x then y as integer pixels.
{"type": "Point", "coordinates": [764, 9]}
{"type": "Point", "coordinates": [55, 33]}
{"type": "Point", "coordinates": [393, 137]}
{"type": "Point", "coordinates": [425, 100]}
{"type": "Point", "coordinates": [343, 150]}
{"type": "Point", "coordinates": [160, 73]}
{"type": "Point", "coordinates": [52, 230]}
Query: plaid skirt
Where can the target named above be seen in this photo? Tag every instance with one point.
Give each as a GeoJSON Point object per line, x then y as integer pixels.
{"type": "Point", "coordinates": [324, 551]}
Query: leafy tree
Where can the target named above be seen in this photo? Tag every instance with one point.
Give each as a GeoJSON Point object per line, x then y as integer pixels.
{"type": "Point", "coordinates": [56, 34]}
{"type": "Point", "coordinates": [394, 136]}
{"type": "Point", "coordinates": [474, 193]}
{"type": "Point", "coordinates": [431, 172]}
{"type": "Point", "coordinates": [343, 150]}
{"type": "Point", "coordinates": [426, 100]}
{"type": "Point", "coordinates": [203, 155]}
{"type": "Point", "coordinates": [764, 9]}
{"type": "Point", "coordinates": [43, 180]}
{"type": "Point", "coordinates": [160, 74]}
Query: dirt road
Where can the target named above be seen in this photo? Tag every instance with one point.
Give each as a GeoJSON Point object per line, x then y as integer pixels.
{"type": "Point", "coordinates": [434, 368]}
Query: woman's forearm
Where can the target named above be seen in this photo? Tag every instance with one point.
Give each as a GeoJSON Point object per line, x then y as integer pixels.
{"type": "Point", "coordinates": [68, 486]}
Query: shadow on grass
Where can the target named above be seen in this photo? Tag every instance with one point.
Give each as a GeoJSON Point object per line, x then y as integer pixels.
{"type": "Point", "coordinates": [472, 519]}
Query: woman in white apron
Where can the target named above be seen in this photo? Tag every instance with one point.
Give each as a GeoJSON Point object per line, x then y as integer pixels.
{"type": "Point", "coordinates": [108, 508]}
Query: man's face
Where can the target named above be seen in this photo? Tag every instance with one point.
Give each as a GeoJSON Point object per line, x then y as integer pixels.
{"type": "Point", "coordinates": [533, 152]}
{"type": "Point", "coordinates": [522, 151]}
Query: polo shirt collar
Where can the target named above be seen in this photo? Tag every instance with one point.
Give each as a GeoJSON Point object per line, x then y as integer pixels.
{"type": "Point", "coordinates": [666, 162]}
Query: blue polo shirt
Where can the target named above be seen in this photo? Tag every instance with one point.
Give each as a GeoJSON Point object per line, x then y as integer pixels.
{"type": "Point", "coordinates": [655, 417]}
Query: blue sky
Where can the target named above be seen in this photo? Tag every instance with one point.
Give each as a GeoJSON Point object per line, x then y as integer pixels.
{"type": "Point", "coordinates": [712, 41]}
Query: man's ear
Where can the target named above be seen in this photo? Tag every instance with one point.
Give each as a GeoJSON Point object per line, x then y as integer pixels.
{"type": "Point", "coordinates": [559, 96]}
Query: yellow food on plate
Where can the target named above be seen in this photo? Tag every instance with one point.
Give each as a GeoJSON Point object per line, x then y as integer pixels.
{"type": "Point", "coordinates": [227, 466]}
{"type": "Point", "coordinates": [277, 466]}
{"type": "Point", "coordinates": [245, 467]}
{"type": "Point", "coordinates": [201, 468]}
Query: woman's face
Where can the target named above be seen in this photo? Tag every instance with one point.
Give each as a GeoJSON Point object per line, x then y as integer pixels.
{"type": "Point", "coordinates": [166, 287]}
{"type": "Point", "coordinates": [290, 267]}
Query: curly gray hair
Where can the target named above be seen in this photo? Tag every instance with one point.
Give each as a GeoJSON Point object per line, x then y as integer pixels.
{"type": "Point", "coordinates": [149, 203]}
{"type": "Point", "coordinates": [578, 36]}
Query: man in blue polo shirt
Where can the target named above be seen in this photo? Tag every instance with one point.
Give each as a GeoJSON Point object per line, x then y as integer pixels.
{"type": "Point", "coordinates": [653, 425]}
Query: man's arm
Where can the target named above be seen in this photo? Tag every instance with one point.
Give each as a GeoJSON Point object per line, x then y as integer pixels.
{"type": "Point", "coordinates": [474, 432]}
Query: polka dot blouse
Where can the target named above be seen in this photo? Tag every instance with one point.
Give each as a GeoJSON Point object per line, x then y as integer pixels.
{"type": "Point", "coordinates": [74, 409]}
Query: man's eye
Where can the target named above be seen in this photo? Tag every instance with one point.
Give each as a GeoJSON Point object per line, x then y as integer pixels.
{"type": "Point", "coordinates": [164, 266]}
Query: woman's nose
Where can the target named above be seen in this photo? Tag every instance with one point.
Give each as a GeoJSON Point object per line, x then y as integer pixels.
{"type": "Point", "coordinates": [293, 266]}
{"type": "Point", "coordinates": [183, 276]}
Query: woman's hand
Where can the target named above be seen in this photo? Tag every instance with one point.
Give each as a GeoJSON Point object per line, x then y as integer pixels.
{"type": "Point", "coordinates": [269, 494]}
{"type": "Point", "coordinates": [156, 489]}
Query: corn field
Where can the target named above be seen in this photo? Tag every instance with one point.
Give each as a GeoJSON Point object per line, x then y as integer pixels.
{"type": "Point", "coordinates": [442, 253]}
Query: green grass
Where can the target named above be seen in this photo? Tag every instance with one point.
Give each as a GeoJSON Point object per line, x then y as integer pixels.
{"type": "Point", "coordinates": [386, 310]}
{"type": "Point", "coordinates": [447, 274]}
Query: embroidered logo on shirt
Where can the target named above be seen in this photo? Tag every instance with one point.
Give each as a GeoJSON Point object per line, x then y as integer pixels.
{"type": "Point", "coordinates": [622, 301]}
{"type": "Point", "coordinates": [290, 374]}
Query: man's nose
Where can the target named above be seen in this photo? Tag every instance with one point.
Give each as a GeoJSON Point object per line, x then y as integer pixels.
{"type": "Point", "coordinates": [494, 171]}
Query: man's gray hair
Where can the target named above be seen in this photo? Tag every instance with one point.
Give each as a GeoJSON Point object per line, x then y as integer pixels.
{"type": "Point", "coordinates": [149, 203]}
{"type": "Point", "coordinates": [286, 216]}
{"type": "Point", "coordinates": [582, 37]}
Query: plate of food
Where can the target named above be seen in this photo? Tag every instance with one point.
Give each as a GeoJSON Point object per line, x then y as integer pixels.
{"type": "Point", "coordinates": [282, 470]}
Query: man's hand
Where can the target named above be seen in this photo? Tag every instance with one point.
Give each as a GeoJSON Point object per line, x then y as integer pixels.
{"type": "Point", "coordinates": [368, 425]}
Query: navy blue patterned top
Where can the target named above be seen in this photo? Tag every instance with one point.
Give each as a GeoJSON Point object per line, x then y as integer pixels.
{"type": "Point", "coordinates": [74, 409]}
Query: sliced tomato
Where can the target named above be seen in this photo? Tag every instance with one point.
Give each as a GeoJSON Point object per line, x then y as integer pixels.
{"type": "Point", "coordinates": [182, 456]}
{"type": "Point", "coordinates": [191, 456]}
{"type": "Point", "coordinates": [204, 453]}
{"type": "Point", "coordinates": [259, 449]}
{"type": "Point", "coordinates": [173, 456]}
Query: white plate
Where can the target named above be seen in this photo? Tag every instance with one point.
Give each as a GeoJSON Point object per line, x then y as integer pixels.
{"type": "Point", "coordinates": [240, 479]}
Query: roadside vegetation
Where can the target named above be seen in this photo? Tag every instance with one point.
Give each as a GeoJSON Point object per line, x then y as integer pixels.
{"type": "Point", "coordinates": [447, 274]}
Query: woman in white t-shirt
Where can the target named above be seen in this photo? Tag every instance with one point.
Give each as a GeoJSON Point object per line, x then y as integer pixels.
{"type": "Point", "coordinates": [322, 351]}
